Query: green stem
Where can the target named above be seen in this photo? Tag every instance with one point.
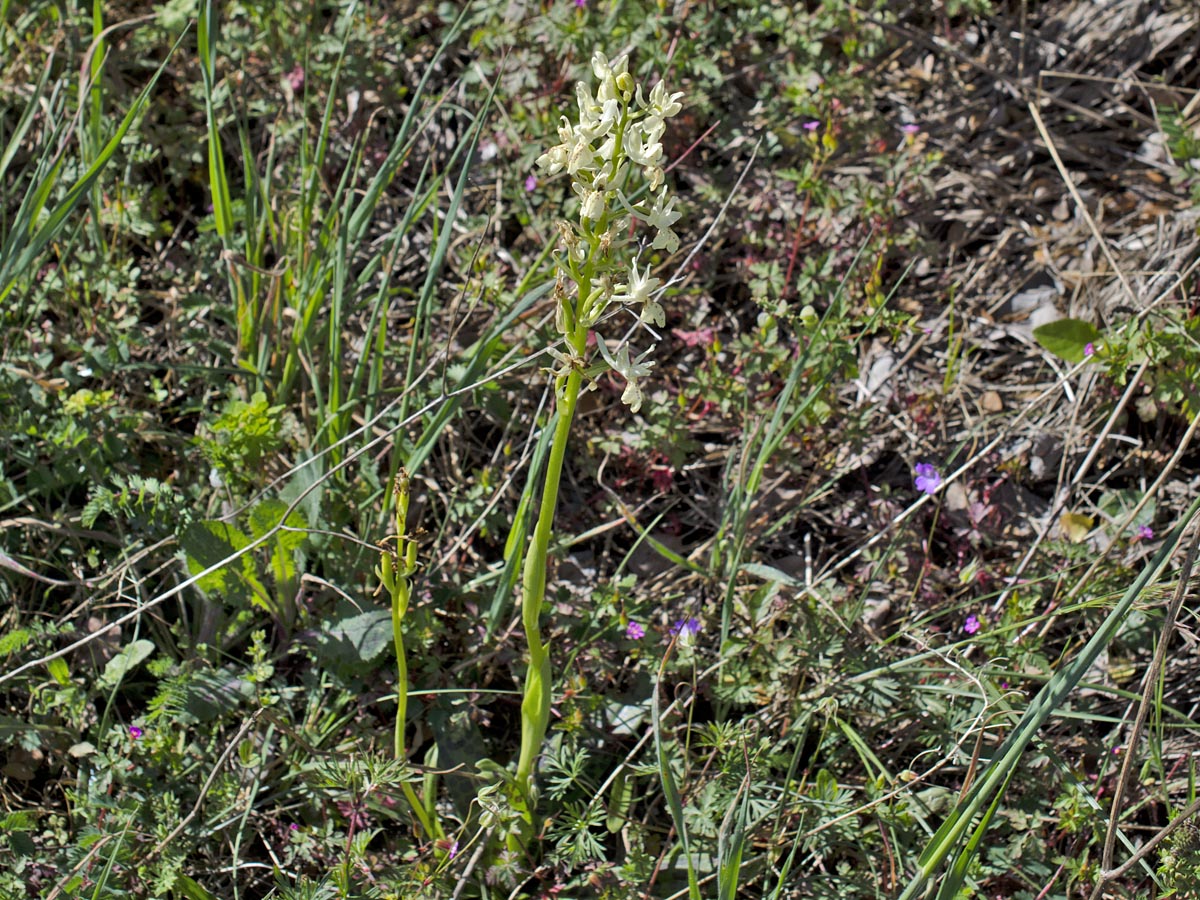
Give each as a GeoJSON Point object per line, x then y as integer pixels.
{"type": "Point", "coordinates": [396, 574]}
{"type": "Point", "coordinates": [535, 707]}
{"type": "Point", "coordinates": [399, 607]}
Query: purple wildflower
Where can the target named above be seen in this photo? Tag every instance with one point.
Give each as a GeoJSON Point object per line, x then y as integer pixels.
{"type": "Point", "coordinates": [1089, 349]}
{"type": "Point", "coordinates": [293, 827]}
{"type": "Point", "coordinates": [530, 183]}
{"type": "Point", "coordinates": [1145, 533]}
{"type": "Point", "coordinates": [634, 631]}
{"type": "Point", "coordinates": [972, 624]}
{"type": "Point", "coordinates": [135, 732]}
{"type": "Point", "coordinates": [686, 627]}
{"type": "Point", "coordinates": [928, 479]}
{"type": "Point", "coordinates": [910, 128]}
{"type": "Point", "coordinates": [453, 851]}
{"type": "Point", "coordinates": [811, 126]}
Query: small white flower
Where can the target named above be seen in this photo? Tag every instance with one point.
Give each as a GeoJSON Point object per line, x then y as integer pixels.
{"type": "Point", "coordinates": [593, 203]}
{"type": "Point", "coordinates": [662, 216]}
{"type": "Point", "coordinates": [630, 370]}
{"type": "Point", "coordinates": [553, 160]}
{"type": "Point", "coordinates": [638, 292]}
{"type": "Point", "coordinates": [654, 128]}
{"type": "Point", "coordinates": [638, 289]}
{"type": "Point", "coordinates": [566, 362]}
{"type": "Point", "coordinates": [661, 104]}
{"type": "Point", "coordinates": [642, 154]}
{"type": "Point", "coordinates": [606, 179]}
{"type": "Point", "coordinates": [580, 155]}
{"type": "Point", "coordinates": [596, 119]}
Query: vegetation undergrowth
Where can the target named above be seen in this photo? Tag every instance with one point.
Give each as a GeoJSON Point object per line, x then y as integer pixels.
{"type": "Point", "coordinates": [350, 549]}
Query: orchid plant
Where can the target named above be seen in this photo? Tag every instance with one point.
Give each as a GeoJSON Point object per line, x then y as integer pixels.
{"type": "Point", "coordinates": [396, 571]}
{"type": "Point", "coordinates": [614, 156]}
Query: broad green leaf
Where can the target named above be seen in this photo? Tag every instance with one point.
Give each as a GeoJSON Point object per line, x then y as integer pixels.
{"type": "Point", "coordinates": [269, 514]}
{"type": "Point", "coordinates": [209, 543]}
{"type": "Point", "coordinates": [619, 800]}
{"type": "Point", "coordinates": [125, 662]}
{"type": "Point", "coordinates": [357, 640]}
{"type": "Point", "coordinates": [1067, 338]}
{"type": "Point", "coordinates": [59, 671]}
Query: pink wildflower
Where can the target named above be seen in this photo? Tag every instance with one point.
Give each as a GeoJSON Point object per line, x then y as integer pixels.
{"type": "Point", "coordinates": [701, 337]}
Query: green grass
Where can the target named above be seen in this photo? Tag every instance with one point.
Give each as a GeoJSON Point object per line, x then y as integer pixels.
{"type": "Point", "coordinates": [260, 263]}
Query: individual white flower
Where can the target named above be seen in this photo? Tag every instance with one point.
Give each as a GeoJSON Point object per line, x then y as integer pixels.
{"type": "Point", "coordinates": [639, 292]}
{"type": "Point", "coordinates": [608, 149]}
{"type": "Point", "coordinates": [630, 370]}
{"type": "Point", "coordinates": [661, 104]}
{"type": "Point", "coordinates": [580, 155]}
{"type": "Point", "coordinates": [593, 202]}
{"type": "Point", "coordinates": [606, 178]}
{"type": "Point", "coordinates": [654, 128]}
{"type": "Point", "coordinates": [662, 216]}
{"type": "Point", "coordinates": [596, 116]}
{"type": "Point", "coordinates": [589, 109]}
{"type": "Point", "coordinates": [566, 131]}
{"type": "Point", "coordinates": [596, 119]}
{"type": "Point", "coordinates": [648, 154]}
{"type": "Point", "coordinates": [553, 160]}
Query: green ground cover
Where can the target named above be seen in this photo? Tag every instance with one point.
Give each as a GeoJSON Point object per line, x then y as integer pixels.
{"type": "Point", "coordinates": [598, 449]}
